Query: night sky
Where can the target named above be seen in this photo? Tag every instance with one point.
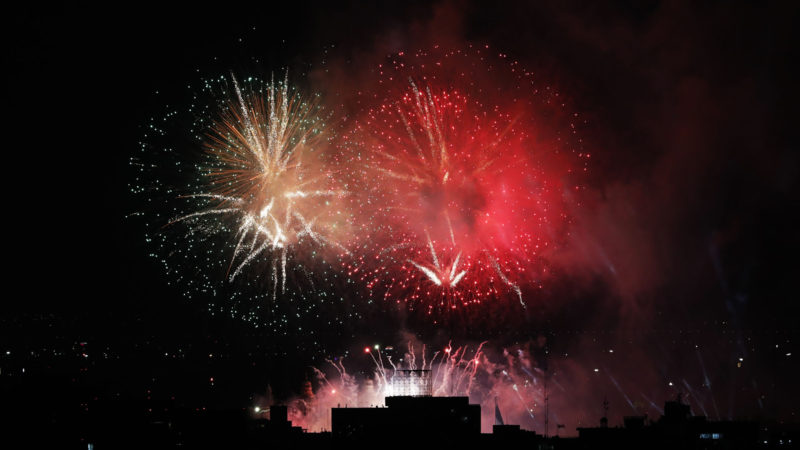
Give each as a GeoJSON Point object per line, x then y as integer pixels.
{"type": "Point", "coordinates": [681, 257]}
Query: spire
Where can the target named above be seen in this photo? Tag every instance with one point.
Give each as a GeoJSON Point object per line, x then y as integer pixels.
{"type": "Point", "coordinates": [498, 418]}
{"type": "Point", "coordinates": [546, 410]}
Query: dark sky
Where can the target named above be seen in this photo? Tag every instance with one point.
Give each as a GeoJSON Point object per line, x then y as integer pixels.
{"type": "Point", "coordinates": [687, 221]}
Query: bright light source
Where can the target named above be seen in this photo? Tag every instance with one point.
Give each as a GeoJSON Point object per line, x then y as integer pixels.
{"type": "Point", "coordinates": [257, 409]}
{"type": "Point", "coordinates": [377, 347]}
{"type": "Point", "coordinates": [366, 349]}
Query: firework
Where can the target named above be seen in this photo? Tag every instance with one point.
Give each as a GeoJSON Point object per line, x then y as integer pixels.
{"type": "Point", "coordinates": [441, 191]}
{"type": "Point", "coordinates": [467, 197]}
{"type": "Point", "coordinates": [259, 177]}
{"type": "Point", "coordinates": [248, 207]}
{"type": "Point", "coordinates": [450, 371]}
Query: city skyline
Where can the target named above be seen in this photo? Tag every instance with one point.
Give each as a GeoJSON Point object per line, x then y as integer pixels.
{"type": "Point", "coordinates": [582, 202]}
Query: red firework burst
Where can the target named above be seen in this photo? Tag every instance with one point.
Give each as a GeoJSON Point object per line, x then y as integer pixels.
{"type": "Point", "coordinates": [465, 192]}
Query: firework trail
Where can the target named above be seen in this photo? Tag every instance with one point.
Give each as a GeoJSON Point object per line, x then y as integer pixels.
{"type": "Point", "coordinates": [519, 396]}
{"type": "Point", "coordinates": [653, 404]}
{"type": "Point", "coordinates": [619, 388]}
{"type": "Point", "coordinates": [707, 382]}
{"type": "Point", "coordinates": [695, 397]}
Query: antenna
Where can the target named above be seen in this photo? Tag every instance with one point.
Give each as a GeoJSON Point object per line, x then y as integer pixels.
{"type": "Point", "coordinates": [546, 407]}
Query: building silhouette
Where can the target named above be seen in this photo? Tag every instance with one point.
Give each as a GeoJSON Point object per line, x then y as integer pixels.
{"type": "Point", "coordinates": [676, 429]}
{"type": "Point", "coordinates": [437, 417]}
{"type": "Point", "coordinates": [427, 421]}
